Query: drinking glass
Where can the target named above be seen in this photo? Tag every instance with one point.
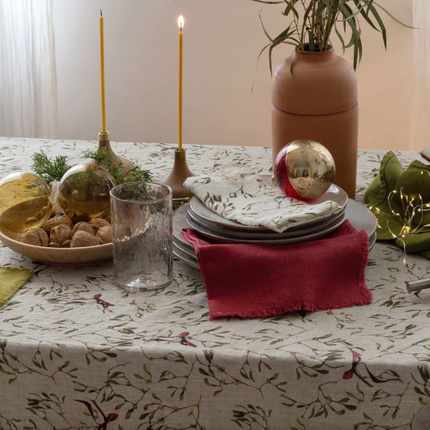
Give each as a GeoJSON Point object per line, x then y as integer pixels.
{"type": "Point", "coordinates": [141, 215]}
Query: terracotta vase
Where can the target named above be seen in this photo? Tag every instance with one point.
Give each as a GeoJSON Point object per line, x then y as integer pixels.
{"type": "Point", "coordinates": [314, 96]}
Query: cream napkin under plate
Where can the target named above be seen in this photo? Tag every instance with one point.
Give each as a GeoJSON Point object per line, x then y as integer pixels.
{"type": "Point", "coordinates": [243, 197]}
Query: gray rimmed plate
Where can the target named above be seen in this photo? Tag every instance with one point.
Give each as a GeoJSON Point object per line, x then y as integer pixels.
{"type": "Point", "coordinates": [271, 240]}
{"type": "Point", "coordinates": [185, 257]}
{"type": "Point", "coordinates": [265, 234]}
{"type": "Point", "coordinates": [180, 222]}
{"type": "Point", "coordinates": [190, 252]}
{"type": "Point", "coordinates": [334, 193]}
{"type": "Point", "coordinates": [358, 215]}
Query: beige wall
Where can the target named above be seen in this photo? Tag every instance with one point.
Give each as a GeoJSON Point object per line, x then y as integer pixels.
{"type": "Point", "coordinates": [222, 39]}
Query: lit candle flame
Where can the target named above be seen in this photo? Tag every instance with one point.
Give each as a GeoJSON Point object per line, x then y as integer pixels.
{"type": "Point", "coordinates": [181, 23]}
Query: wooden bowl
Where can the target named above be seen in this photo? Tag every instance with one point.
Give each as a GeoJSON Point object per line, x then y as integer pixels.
{"type": "Point", "coordinates": [84, 256]}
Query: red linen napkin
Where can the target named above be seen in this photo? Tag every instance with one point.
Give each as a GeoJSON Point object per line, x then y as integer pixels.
{"type": "Point", "coordinates": [257, 281]}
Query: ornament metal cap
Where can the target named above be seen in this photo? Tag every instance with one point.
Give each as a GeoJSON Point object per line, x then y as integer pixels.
{"type": "Point", "coordinates": [178, 175]}
{"type": "Point", "coordinates": [104, 143]}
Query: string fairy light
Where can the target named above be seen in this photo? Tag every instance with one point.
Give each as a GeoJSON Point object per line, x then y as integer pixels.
{"type": "Point", "coordinates": [411, 205]}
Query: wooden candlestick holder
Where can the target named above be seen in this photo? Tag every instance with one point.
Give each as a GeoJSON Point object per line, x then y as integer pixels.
{"type": "Point", "coordinates": [104, 143]}
{"type": "Point", "coordinates": [177, 177]}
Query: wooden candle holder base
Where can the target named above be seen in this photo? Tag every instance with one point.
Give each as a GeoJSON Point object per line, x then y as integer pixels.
{"type": "Point", "coordinates": [177, 177]}
{"type": "Point", "coordinates": [104, 143]}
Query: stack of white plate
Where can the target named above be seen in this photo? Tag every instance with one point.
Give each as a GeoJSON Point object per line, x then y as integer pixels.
{"type": "Point", "coordinates": [197, 216]}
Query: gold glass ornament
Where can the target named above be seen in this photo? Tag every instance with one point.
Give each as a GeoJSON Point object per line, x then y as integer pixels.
{"type": "Point", "coordinates": [24, 202]}
{"type": "Point", "coordinates": [84, 192]}
{"type": "Point", "coordinates": [304, 169]}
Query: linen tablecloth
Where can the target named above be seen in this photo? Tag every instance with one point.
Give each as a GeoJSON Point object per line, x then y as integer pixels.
{"type": "Point", "coordinates": [77, 353]}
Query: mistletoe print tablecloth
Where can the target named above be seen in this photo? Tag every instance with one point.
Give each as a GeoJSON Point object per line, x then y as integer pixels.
{"type": "Point", "coordinates": [78, 353]}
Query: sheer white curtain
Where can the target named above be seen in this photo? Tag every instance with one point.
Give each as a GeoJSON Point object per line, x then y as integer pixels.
{"type": "Point", "coordinates": [28, 81]}
{"type": "Point", "coordinates": [420, 125]}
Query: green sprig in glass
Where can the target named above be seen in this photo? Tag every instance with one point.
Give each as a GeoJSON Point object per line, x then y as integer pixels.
{"type": "Point", "coordinates": [51, 170]}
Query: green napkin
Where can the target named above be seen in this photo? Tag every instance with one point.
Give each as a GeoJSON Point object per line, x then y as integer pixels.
{"type": "Point", "coordinates": [405, 187]}
{"type": "Point", "coordinates": [11, 280]}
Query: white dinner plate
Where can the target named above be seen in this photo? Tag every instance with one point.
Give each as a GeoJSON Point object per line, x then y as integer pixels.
{"type": "Point", "coordinates": [334, 193]}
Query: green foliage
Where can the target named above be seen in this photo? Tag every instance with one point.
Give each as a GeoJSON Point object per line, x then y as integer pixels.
{"type": "Point", "coordinates": [49, 170]}
{"type": "Point", "coordinates": [53, 169]}
{"type": "Point", "coordinates": [136, 174]}
{"type": "Point", "coordinates": [313, 22]}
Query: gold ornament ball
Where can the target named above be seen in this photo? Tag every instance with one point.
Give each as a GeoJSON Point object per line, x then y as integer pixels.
{"type": "Point", "coordinates": [304, 169]}
{"type": "Point", "coordinates": [84, 192]}
{"type": "Point", "coordinates": [24, 202]}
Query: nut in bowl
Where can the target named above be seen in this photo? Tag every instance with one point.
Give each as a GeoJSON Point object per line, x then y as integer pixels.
{"type": "Point", "coordinates": [56, 239]}
{"type": "Point", "coordinates": [79, 256]}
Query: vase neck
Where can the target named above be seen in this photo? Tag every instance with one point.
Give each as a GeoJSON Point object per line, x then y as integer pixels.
{"type": "Point", "coordinates": [315, 56]}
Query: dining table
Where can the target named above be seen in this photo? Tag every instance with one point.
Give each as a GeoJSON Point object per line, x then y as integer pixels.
{"type": "Point", "coordinates": [76, 352]}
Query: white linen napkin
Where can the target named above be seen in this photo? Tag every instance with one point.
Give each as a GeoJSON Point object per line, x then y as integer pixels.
{"type": "Point", "coordinates": [246, 199]}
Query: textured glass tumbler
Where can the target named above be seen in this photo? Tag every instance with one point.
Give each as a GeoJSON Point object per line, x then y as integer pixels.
{"type": "Point", "coordinates": [141, 215]}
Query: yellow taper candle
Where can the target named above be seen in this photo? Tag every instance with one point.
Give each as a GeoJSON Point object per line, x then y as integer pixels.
{"type": "Point", "coordinates": [181, 27]}
{"type": "Point", "coordinates": [102, 72]}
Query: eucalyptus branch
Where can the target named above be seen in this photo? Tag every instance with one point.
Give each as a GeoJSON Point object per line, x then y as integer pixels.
{"type": "Point", "coordinates": [296, 24]}
{"type": "Point", "coordinates": [326, 33]}
{"type": "Point", "coordinates": [304, 24]}
{"type": "Point", "coordinates": [313, 15]}
{"type": "Point", "coordinates": [319, 18]}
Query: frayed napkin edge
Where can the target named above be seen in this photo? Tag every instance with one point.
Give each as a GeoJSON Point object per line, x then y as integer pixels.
{"type": "Point", "coordinates": [280, 310]}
